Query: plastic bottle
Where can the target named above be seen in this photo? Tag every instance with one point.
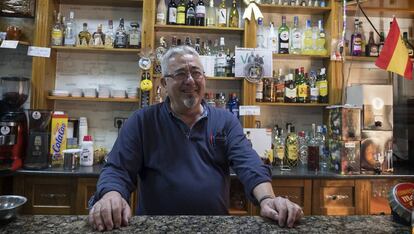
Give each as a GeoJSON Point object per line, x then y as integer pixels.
{"type": "Point", "coordinates": [86, 158]}
{"type": "Point", "coordinates": [83, 128]}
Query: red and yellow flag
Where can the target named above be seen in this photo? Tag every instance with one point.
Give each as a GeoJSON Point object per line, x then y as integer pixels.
{"type": "Point", "coordinates": [394, 55]}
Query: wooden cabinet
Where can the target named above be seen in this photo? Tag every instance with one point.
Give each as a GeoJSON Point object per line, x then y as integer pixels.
{"type": "Point", "coordinates": [296, 190]}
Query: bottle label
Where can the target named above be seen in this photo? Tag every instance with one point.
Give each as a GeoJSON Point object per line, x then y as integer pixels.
{"type": "Point", "coordinates": [302, 90]}
{"type": "Point", "coordinates": [290, 93]}
{"type": "Point", "coordinates": [280, 152]}
{"type": "Point", "coordinates": [323, 88]}
{"type": "Point", "coordinates": [284, 36]}
{"type": "Point", "coordinates": [223, 16]}
{"type": "Point", "coordinates": [190, 12]}
{"type": "Point", "coordinates": [57, 37]}
{"type": "Point", "coordinates": [314, 92]}
{"type": "Point", "coordinates": [292, 152]}
{"type": "Point", "coordinates": [70, 41]}
{"type": "Point", "coordinates": [134, 39]}
{"type": "Point", "coordinates": [160, 17]}
{"type": "Point", "coordinates": [200, 11]}
{"type": "Point", "coordinates": [172, 15]}
{"type": "Point", "coordinates": [181, 15]}
{"type": "Point", "coordinates": [296, 40]}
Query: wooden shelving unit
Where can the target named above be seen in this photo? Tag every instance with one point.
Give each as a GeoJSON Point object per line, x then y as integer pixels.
{"type": "Point", "coordinates": [294, 9]}
{"type": "Point", "coordinates": [96, 49]}
{"type": "Point", "coordinates": [361, 58]}
{"type": "Point", "coordinates": [292, 104]}
{"type": "Point", "coordinates": [225, 78]}
{"type": "Point", "coordinates": [383, 12]}
{"type": "Point", "coordinates": [115, 3]}
{"type": "Point", "coordinates": [197, 29]}
{"type": "Point", "coordinates": [299, 56]}
{"type": "Point", "coordinates": [88, 99]}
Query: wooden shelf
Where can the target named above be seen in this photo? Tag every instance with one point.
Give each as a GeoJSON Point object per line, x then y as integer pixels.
{"type": "Point", "coordinates": [292, 104]}
{"type": "Point", "coordinates": [114, 3]}
{"type": "Point", "coordinates": [299, 56]}
{"type": "Point", "coordinates": [94, 49]}
{"type": "Point", "coordinates": [233, 211]}
{"type": "Point", "coordinates": [87, 99]}
{"type": "Point", "coordinates": [226, 78]}
{"type": "Point", "coordinates": [360, 58]}
{"type": "Point", "coordinates": [383, 12]}
{"type": "Point", "coordinates": [269, 8]}
{"type": "Point", "coordinates": [199, 29]}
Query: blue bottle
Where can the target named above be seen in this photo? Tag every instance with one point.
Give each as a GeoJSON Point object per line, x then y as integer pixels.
{"type": "Point", "coordinates": [233, 105]}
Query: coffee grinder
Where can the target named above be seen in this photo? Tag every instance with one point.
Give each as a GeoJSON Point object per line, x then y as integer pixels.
{"type": "Point", "coordinates": [13, 122]}
{"type": "Point", "coordinates": [37, 156]}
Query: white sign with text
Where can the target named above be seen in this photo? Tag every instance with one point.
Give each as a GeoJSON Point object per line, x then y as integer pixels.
{"type": "Point", "coordinates": [247, 56]}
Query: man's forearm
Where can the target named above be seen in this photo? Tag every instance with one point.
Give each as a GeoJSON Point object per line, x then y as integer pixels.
{"type": "Point", "coordinates": [263, 190]}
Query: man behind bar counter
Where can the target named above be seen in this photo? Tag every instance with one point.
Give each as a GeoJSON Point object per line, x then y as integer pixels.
{"type": "Point", "coordinates": [181, 150]}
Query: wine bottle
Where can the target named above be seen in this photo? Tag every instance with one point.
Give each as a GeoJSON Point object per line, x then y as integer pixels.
{"type": "Point", "coordinates": [222, 11]}
{"type": "Point", "coordinates": [200, 13]}
{"type": "Point", "coordinates": [161, 12]}
{"type": "Point", "coordinates": [234, 16]}
{"type": "Point", "coordinates": [284, 37]}
{"type": "Point", "coordinates": [181, 13]}
{"type": "Point", "coordinates": [190, 13]}
{"type": "Point", "coordinates": [172, 12]}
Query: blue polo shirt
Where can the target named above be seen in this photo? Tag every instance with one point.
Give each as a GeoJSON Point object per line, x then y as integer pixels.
{"type": "Point", "coordinates": [181, 170]}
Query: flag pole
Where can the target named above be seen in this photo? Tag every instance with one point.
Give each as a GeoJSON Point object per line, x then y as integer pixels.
{"type": "Point", "coordinates": [363, 12]}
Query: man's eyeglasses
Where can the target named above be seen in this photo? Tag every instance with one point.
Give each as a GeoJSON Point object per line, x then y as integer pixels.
{"type": "Point", "coordinates": [195, 74]}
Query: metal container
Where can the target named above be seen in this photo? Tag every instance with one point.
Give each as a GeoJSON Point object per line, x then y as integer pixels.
{"type": "Point", "coordinates": [10, 205]}
{"type": "Point", "coordinates": [71, 159]}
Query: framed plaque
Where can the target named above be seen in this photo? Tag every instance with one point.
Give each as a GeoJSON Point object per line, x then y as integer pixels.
{"type": "Point", "coordinates": [18, 8]}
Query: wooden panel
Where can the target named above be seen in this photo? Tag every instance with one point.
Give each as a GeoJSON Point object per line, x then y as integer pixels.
{"type": "Point", "coordinates": [115, 3]}
{"type": "Point", "coordinates": [86, 188]}
{"type": "Point", "coordinates": [337, 183]}
{"type": "Point", "coordinates": [298, 191]}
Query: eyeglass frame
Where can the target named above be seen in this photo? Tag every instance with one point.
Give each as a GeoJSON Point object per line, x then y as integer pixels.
{"type": "Point", "coordinates": [187, 74]}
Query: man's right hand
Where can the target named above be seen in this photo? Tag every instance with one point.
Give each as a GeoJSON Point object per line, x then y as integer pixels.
{"type": "Point", "coordinates": [110, 212]}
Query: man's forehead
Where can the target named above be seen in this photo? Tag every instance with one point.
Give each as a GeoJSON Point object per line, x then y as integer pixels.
{"type": "Point", "coordinates": [186, 60]}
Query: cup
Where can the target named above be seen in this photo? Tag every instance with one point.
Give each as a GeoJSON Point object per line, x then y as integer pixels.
{"type": "Point", "coordinates": [71, 159]}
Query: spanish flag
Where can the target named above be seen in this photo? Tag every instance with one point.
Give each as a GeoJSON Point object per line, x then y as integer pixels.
{"type": "Point", "coordinates": [394, 54]}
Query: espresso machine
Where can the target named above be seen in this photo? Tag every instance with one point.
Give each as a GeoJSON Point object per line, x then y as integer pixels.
{"type": "Point", "coordinates": [37, 156]}
{"type": "Point", "coordinates": [13, 122]}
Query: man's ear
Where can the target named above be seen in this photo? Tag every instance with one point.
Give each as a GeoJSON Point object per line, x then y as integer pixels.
{"type": "Point", "coordinates": [163, 82]}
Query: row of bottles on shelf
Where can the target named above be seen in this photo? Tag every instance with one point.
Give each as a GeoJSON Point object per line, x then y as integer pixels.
{"type": "Point", "coordinates": [231, 104]}
{"type": "Point", "coordinates": [308, 148]}
{"type": "Point", "coordinates": [283, 40]}
{"type": "Point", "coordinates": [224, 59]}
{"type": "Point", "coordinates": [298, 88]}
{"type": "Point", "coordinates": [197, 14]}
{"type": "Point", "coordinates": [304, 3]}
{"type": "Point", "coordinates": [64, 34]}
{"type": "Point", "coordinates": [360, 47]}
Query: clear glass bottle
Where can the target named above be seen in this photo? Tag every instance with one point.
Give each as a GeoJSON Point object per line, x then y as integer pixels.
{"type": "Point", "coordinates": [222, 14]}
{"type": "Point", "coordinates": [161, 13]}
{"type": "Point", "coordinates": [172, 12]}
{"type": "Point", "coordinates": [313, 151]}
{"type": "Point", "coordinates": [321, 40]}
{"type": "Point", "coordinates": [296, 40]}
{"type": "Point", "coordinates": [134, 36]}
{"type": "Point", "coordinates": [284, 37]}
{"type": "Point", "coordinates": [197, 46]}
{"type": "Point", "coordinates": [234, 16]}
{"type": "Point", "coordinates": [308, 39]}
{"type": "Point", "coordinates": [98, 36]}
{"type": "Point", "coordinates": [121, 37]}
{"type": "Point", "coordinates": [221, 62]}
{"type": "Point", "coordinates": [190, 16]}
{"type": "Point", "coordinates": [109, 35]}
{"type": "Point", "coordinates": [57, 32]}
{"type": "Point", "coordinates": [260, 37]}
{"type": "Point", "coordinates": [303, 149]}
{"type": "Point", "coordinates": [200, 13]}
{"type": "Point", "coordinates": [259, 91]}
{"type": "Point", "coordinates": [211, 14]}
{"type": "Point", "coordinates": [272, 41]}
{"type": "Point", "coordinates": [279, 148]}
{"type": "Point", "coordinates": [70, 31]}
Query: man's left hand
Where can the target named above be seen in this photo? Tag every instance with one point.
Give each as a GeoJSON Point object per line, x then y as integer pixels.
{"type": "Point", "coordinates": [281, 210]}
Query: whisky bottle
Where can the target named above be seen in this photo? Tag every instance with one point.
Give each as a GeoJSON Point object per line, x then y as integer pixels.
{"type": "Point", "coordinates": [268, 90]}
{"type": "Point", "coordinates": [292, 148]}
{"type": "Point", "coordinates": [280, 87]}
{"type": "Point", "coordinates": [181, 13]}
{"type": "Point", "coordinates": [234, 16]}
{"type": "Point", "coordinates": [371, 49]}
{"type": "Point", "coordinates": [222, 17]}
{"type": "Point", "coordinates": [322, 84]}
{"type": "Point", "coordinates": [296, 40]}
{"type": "Point", "coordinates": [290, 89]}
{"type": "Point", "coordinates": [190, 13]}
{"type": "Point", "coordinates": [278, 148]}
{"type": "Point", "coordinates": [284, 37]}
{"type": "Point", "coordinates": [98, 37]}
{"type": "Point", "coordinates": [109, 35]}
{"type": "Point", "coordinates": [211, 15]}
{"type": "Point", "coordinates": [172, 12]}
{"type": "Point", "coordinates": [200, 13]}
{"type": "Point", "coordinates": [57, 32]}
{"type": "Point", "coordinates": [302, 86]}
{"type": "Point", "coordinates": [134, 36]}
{"type": "Point", "coordinates": [70, 31]}
{"type": "Point", "coordinates": [121, 36]}
{"type": "Point", "coordinates": [84, 36]}
{"type": "Point", "coordinates": [161, 12]}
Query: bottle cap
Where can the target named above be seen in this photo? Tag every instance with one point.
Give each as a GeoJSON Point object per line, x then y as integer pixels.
{"type": "Point", "coordinates": [87, 138]}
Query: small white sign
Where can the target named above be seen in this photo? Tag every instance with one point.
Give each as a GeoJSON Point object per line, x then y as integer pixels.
{"type": "Point", "coordinates": [249, 110]}
{"type": "Point", "coordinates": [39, 51]}
{"type": "Point", "coordinates": [245, 57]}
{"type": "Point", "coordinates": [10, 44]}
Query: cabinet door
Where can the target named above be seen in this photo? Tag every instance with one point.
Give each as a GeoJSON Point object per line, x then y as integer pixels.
{"type": "Point", "coordinates": [298, 191]}
{"type": "Point", "coordinates": [335, 197]}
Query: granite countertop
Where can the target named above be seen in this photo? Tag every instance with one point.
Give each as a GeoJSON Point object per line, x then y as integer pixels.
{"type": "Point", "coordinates": [208, 224]}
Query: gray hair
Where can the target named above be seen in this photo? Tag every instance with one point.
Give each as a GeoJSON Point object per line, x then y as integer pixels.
{"type": "Point", "coordinates": [174, 51]}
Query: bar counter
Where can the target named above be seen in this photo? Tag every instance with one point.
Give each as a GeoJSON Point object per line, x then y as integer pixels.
{"type": "Point", "coordinates": [208, 224]}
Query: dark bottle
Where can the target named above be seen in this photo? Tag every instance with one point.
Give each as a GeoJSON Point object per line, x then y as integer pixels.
{"type": "Point", "coordinates": [381, 42]}
{"type": "Point", "coordinates": [371, 49]}
{"type": "Point", "coordinates": [200, 13]}
{"type": "Point", "coordinates": [409, 46]}
{"type": "Point", "coordinates": [190, 13]}
{"type": "Point", "coordinates": [322, 84]}
{"type": "Point", "coordinates": [268, 90]}
{"type": "Point", "coordinates": [197, 46]}
{"type": "Point", "coordinates": [172, 12]}
{"type": "Point", "coordinates": [290, 88]}
{"type": "Point", "coordinates": [121, 37]}
{"type": "Point", "coordinates": [302, 86]}
{"type": "Point", "coordinates": [233, 105]}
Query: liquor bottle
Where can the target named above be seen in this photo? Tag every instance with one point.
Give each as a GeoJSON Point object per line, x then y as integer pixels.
{"type": "Point", "coordinates": [280, 87]}
{"type": "Point", "coordinates": [308, 39]}
{"type": "Point", "coordinates": [197, 46]}
{"type": "Point", "coordinates": [221, 62]}
{"type": "Point", "coordinates": [200, 13]}
{"type": "Point", "coordinates": [234, 16]}
{"type": "Point", "coordinates": [98, 37]}
{"type": "Point", "coordinates": [233, 105]}
{"type": "Point", "coordinates": [296, 40]}
{"type": "Point", "coordinates": [371, 49]}
{"type": "Point", "coordinates": [121, 37]}
{"type": "Point", "coordinates": [290, 89]}
{"type": "Point", "coordinates": [233, 65]}
{"type": "Point", "coordinates": [190, 13]}
{"type": "Point", "coordinates": [322, 84]}
{"type": "Point", "coordinates": [323, 149]}
{"type": "Point", "coordinates": [157, 97]}
{"type": "Point", "coordinates": [259, 91]}
{"type": "Point", "coordinates": [303, 148]}
{"type": "Point", "coordinates": [211, 15]}
{"type": "Point", "coordinates": [84, 36]}
{"type": "Point", "coordinates": [314, 90]}
{"type": "Point", "coordinates": [302, 86]}
{"type": "Point", "coordinates": [409, 46]}
{"type": "Point", "coordinates": [210, 99]}
{"type": "Point", "coordinates": [356, 40]}
{"type": "Point", "coordinates": [70, 31]}
{"type": "Point", "coordinates": [313, 151]}
{"type": "Point", "coordinates": [278, 148]}
{"type": "Point", "coordinates": [221, 100]}
{"type": "Point", "coordinates": [222, 14]}
{"type": "Point", "coordinates": [268, 90]}
{"type": "Point", "coordinates": [291, 147]}
{"type": "Point", "coordinates": [159, 52]}
{"type": "Point", "coordinates": [172, 12]}
{"type": "Point", "coordinates": [57, 32]}
{"type": "Point", "coordinates": [134, 36]}
{"type": "Point", "coordinates": [272, 44]}
{"type": "Point", "coordinates": [188, 42]}
{"type": "Point", "coordinates": [381, 42]}
{"type": "Point", "coordinates": [181, 13]}
{"type": "Point", "coordinates": [321, 40]}
{"type": "Point", "coordinates": [284, 37]}
{"type": "Point", "coordinates": [109, 35]}
{"type": "Point", "coordinates": [228, 63]}
{"type": "Point", "coordinates": [260, 38]}
{"type": "Point", "coordinates": [161, 13]}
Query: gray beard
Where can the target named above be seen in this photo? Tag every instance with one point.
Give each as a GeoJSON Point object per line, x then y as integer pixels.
{"type": "Point", "coordinates": [190, 102]}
